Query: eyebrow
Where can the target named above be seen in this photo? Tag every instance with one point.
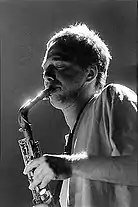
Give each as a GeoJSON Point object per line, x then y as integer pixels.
{"type": "Point", "coordinates": [60, 56]}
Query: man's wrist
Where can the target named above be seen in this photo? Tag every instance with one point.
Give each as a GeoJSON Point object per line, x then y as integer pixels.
{"type": "Point", "coordinates": [60, 165]}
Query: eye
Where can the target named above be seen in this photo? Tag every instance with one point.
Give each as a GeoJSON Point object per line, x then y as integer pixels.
{"type": "Point", "coordinates": [60, 67]}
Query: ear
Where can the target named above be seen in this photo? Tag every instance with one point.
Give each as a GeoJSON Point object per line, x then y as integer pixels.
{"type": "Point", "coordinates": [92, 73]}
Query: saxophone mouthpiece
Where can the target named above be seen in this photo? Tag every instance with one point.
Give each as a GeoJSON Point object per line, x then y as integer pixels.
{"type": "Point", "coordinates": [46, 94]}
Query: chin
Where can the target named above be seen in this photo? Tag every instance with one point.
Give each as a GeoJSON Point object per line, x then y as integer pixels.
{"type": "Point", "coordinates": [59, 101]}
{"type": "Point", "coordinates": [55, 101]}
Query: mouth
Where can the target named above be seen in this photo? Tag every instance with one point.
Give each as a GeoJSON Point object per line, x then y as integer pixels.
{"type": "Point", "coordinates": [53, 89]}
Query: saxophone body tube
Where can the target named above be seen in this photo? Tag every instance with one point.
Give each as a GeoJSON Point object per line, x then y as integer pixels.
{"type": "Point", "coordinates": [30, 149]}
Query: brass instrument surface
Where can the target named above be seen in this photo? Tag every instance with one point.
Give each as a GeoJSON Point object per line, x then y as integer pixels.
{"type": "Point", "coordinates": [30, 149]}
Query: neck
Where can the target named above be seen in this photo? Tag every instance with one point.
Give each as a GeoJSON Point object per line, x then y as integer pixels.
{"type": "Point", "coordinates": [71, 112]}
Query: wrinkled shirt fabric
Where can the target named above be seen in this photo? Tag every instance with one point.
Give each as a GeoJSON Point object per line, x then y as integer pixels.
{"type": "Point", "coordinates": [106, 127]}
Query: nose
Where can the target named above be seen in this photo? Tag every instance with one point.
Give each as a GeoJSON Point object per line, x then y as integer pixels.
{"type": "Point", "coordinates": [49, 73]}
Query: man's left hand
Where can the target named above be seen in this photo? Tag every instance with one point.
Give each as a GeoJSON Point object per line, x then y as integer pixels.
{"type": "Point", "coordinates": [43, 174]}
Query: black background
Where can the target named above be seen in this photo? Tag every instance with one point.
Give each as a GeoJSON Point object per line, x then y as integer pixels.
{"type": "Point", "coordinates": [25, 27]}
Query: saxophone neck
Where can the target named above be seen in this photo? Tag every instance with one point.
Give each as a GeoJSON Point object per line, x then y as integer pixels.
{"type": "Point", "coordinates": [27, 106]}
{"type": "Point", "coordinates": [44, 94]}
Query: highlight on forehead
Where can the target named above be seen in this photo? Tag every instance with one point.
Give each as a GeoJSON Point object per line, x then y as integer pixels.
{"type": "Point", "coordinates": [59, 52]}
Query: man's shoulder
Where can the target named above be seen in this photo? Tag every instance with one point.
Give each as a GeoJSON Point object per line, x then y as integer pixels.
{"type": "Point", "coordinates": [118, 91]}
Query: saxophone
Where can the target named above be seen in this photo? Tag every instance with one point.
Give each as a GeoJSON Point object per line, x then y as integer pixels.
{"type": "Point", "coordinates": [30, 149]}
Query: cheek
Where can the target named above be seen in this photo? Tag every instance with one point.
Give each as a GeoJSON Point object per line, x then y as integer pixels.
{"type": "Point", "coordinates": [70, 78]}
{"type": "Point", "coordinates": [72, 85]}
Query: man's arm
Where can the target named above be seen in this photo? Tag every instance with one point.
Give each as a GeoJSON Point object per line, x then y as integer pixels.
{"type": "Point", "coordinates": [121, 170]}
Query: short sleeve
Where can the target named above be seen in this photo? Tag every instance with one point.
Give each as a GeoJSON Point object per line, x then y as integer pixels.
{"type": "Point", "coordinates": [124, 119]}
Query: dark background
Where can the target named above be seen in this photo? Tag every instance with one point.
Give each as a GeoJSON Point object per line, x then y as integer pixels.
{"type": "Point", "coordinates": [25, 28]}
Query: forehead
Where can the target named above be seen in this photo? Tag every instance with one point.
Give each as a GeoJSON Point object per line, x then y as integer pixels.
{"type": "Point", "coordinates": [57, 53]}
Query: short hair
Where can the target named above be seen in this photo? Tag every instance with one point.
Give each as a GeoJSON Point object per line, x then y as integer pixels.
{"type": "Point", "coordinates": [84, 47]}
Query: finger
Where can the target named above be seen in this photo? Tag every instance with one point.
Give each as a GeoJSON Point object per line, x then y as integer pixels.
{"type": "Point", "coordinates": [40, 176]}
{"type": "Point", "coordinates": [42, 167]}
{"type": "Point", "coordinates": [44, 173]}
{"type": "Point", "coordinates": [33, 164]}
{"type": "Point", "coordinates": [50, 176]}
{"type": "Point", "coordinates": [45, 181]}
{"type": "Point", "coordinates": [37, 172]}
{"type": "Point", "coordinates": [39, 179]}
{"type": "Point", "coordinates": [36, 182]}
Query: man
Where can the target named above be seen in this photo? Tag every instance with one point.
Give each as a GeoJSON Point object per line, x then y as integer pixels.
{"type": "Point", "coordinates": [101, 155]}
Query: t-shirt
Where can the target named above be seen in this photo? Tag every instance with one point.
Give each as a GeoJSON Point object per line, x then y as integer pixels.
{"type": "Point", "coordinates": [107, 126]}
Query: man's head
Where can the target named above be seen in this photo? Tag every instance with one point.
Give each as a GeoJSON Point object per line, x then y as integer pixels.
{"type": "Point", "coordinates": [85, 48]}
{"type": "Point", "coordinates": [74, 56]}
